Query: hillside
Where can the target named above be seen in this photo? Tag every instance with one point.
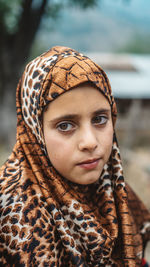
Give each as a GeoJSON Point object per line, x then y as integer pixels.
{"type": "Point", "coordinates": [112, 26]}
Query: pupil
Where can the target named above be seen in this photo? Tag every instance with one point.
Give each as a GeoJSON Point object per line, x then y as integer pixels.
{"type": "Point", "coordinates": [97, 119]}
{"type": "Point", "coordinates": [64, 126]}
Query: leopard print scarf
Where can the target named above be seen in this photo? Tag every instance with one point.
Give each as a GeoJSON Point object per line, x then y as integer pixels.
{"type": "Point", "coordinates": [45, 220]}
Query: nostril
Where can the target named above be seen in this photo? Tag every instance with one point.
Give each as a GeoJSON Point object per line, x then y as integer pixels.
{"type": "Point", "coordinates": [88, 145]}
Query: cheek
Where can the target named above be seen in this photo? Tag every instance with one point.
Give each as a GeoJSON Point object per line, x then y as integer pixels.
{"type": "Point", "coordinates": [57, 149]}
{"type": "Point", "coordinates": [108, 141]}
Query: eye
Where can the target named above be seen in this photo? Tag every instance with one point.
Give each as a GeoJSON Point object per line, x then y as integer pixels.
{"type": "Point", "coordinates": [65, 126]}
{"type": "Point", "coordinates": [100, 119]}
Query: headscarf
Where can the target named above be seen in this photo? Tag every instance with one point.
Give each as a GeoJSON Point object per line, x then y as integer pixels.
{"type": "Point", "coordinates": [47, 220]}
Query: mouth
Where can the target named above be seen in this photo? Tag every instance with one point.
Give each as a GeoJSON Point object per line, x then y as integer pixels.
{"type": "Point", "coordinates": [89, 164]}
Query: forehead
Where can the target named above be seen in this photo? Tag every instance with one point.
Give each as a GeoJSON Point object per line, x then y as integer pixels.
{"type": "Point", "coordinates": [82, 99]}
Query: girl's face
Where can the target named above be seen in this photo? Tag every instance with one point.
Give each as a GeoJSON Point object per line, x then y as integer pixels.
{"type": "Point", "coordinates": [78, 133]}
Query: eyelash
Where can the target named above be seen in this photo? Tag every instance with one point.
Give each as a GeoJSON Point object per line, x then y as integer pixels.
{"type": "Point", "coordinates": [103, 121]}
{"type": "Point", "coordinates": [65, 123]}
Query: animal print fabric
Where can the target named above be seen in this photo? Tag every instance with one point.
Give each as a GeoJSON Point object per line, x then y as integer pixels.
{"type": "Point", "coordinates": [46, 220]}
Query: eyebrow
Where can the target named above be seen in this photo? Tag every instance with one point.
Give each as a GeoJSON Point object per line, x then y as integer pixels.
{"type": "Point", "coordinates": [77, 116]}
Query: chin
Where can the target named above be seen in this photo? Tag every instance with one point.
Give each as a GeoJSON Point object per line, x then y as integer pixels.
{"type": "Point", "coordinates": [88, 181]}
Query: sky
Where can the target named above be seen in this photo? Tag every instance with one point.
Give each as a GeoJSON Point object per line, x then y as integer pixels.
{"type": "Point", "coordinates": [110, 26]}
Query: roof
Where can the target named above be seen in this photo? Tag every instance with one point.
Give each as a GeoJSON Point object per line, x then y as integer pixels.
{"type": "Point", "coordinates": [129, 74]}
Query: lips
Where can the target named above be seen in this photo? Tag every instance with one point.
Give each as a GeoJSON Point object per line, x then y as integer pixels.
{"type": "Point", "coordinates": [89, 164]}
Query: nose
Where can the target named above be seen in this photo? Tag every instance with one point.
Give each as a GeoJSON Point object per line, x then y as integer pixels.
{"type": "Point", "coordinates": [88, 139]}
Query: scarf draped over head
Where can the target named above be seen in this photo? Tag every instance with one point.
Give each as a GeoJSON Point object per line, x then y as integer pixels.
{"type": "Point", "coordinates": [47, 220]}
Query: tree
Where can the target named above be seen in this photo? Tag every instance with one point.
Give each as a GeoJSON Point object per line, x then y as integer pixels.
{"type": "Point", "coordinates": [19, 23]}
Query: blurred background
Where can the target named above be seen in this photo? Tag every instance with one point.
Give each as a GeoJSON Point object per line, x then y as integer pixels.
{"type": "Point", "coordinates": [115, 34]}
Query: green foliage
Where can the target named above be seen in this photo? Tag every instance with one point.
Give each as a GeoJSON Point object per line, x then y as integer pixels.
{"type": "Point", "coordinates": [11, 10]}
{"type": "Point", "coordinates": [140, 44]}
{"type": "Point", "coordinates": [52, 10]}
{"type": "Point", "coordinates": [9, 14]}
{"type": "Point", "coordinates": [83, 3]}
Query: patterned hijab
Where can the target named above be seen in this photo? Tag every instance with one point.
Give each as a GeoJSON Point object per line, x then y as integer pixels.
{"type": "Point", "coordinates": [47, 220]}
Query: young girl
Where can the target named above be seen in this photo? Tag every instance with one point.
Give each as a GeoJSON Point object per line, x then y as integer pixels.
{"type": "Point", "coordinates": [63, 198]}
